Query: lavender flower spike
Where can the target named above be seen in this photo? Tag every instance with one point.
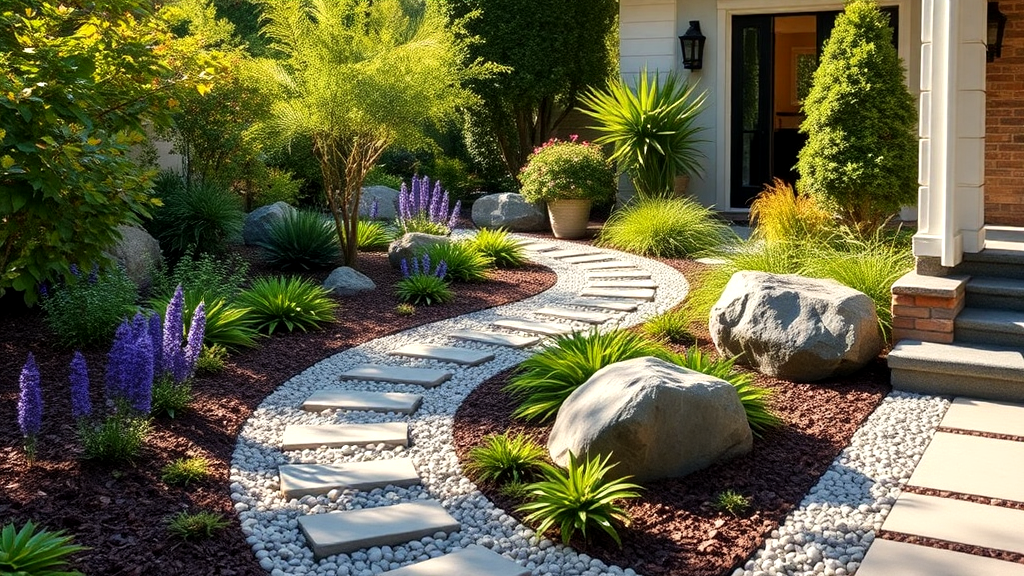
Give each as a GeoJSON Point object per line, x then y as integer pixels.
{"type": "Point", "coordinates": [30, 401]}
{"type": "Point", "coordinates": [405, 268]}
{"type": "Point", "coordinates": [141, 386]}
{"type": "Point", "coordinates": [156, 336]}
{"type": "Point", "coordinates": [174, 329]}
{"type": "Point", "coordinates": [196, 332]}
{"type": "Point", "coordinates": [435, 205]}
{"type": "Point", "coordinates": [81, 406]}
{"type": "Point", "coordinates": [403, 202]}
{"type": "Point", "coordinates": [454, 220]}
{"type": "Point", "coordinates": [119, 364]}
{"type": "Point", "coordinates": [375, 209]}
{"type": "Point", "coordinates": [442, 270]}
{"type": "Point", "coordinates": [426, 263]}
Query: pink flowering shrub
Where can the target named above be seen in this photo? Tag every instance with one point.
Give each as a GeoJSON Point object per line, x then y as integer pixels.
{"type": "Point", "coordinates": [567, 170]}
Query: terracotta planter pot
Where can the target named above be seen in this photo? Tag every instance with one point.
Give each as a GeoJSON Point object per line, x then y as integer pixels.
{"type": "Point", "coordinates": [569, 218]}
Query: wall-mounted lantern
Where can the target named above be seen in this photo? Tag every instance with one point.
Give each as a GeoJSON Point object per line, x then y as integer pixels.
{"type": "Point", "coordinates": [996, 29]}
{"type": "Point", "coordinates": [693, 46]}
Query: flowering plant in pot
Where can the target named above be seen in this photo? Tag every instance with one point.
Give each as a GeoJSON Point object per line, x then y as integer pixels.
{"type": "Point", "coordinates": [569, 176]}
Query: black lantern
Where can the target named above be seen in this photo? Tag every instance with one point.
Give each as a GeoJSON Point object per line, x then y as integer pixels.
{"type": "Point", "coordinates": [693, 46]}
{"type": "Point", "coordinates": [996, 28]}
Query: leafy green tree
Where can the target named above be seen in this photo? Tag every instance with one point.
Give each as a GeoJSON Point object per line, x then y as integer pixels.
{"type": "Point", "coordinates": [861, 154]}
{"type": "Point", "coordinates": [357, 76]}
{"type": "Point", "coordinates": [553, 49]}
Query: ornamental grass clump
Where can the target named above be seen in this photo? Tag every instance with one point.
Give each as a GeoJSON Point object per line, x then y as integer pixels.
{"type": "Point", "coordinates": [30, 405]}
{"type": "Point", "coordinates": [423, 284]}
{"type": "Point", "coordinates": [665, 228]}
{"type": "Point", "coordinates": [500, 247]}
{"type": "Point", "coordinates": [463, 263]}
{"type": "Point", "coordinates": [505, 458]}
{"type": "Point", "coordinates": [425, 209]}
{"type": "Point", "coordinates": [300, 242]}
{"type": "Point", "coordinates": [288, 302]}
{"type": "Point", "coordinates": [196, 525]}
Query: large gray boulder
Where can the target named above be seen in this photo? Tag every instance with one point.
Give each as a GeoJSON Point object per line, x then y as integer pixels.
{"type": "Point", "coordinates": [795, 328]}
{"type": "Point", "coordinates": [256, 229]}
{"type": "Point", "coordinates": [656, 419]}
{"type": "Point", "coordinates": [387, 202]}
{"type": "Point", "coordinates": [137, 253]}
{"type": "Point", "coordinates": [411, 245]}
{"type": "Point", "coordinates": [345, 281]}
{"type": "Point", "coordinates": [509, 211]}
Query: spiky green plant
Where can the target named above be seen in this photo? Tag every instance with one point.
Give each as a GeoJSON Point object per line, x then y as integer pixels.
{"type": "Point", "coordinates": [200, 217]}
{"type": "Point", "coordinates": [229, 325]}
{"type": "Point", "coordinates": [32, 551]}
{"type": "Point", "coordinates": [288, 302]}
{"type": "Point", "coordinates": [731, 502]}
{"type": "Point", "coordinates": [665, 228]}
{"type": "Point", "coordinates": [197, 525]}
{"type": "Point", "coordinates": [423, 289]}
{"type": "Point", "coordinates": [670, 326]}
{"type": "Point", "coordinates": [578, 498]}
{"type": "Point", "coordinates": [373, 236]}
{"type": "Point", "coordinates": [184, 471]}
{"type": "Point", "coordinates": [465, 263]}
{"type": "Point", "coordinates": [502, 458]}
{"type": "Point", "coordinates": [500, 247]}
{"type": "Point", "coordinates": [301, 241]}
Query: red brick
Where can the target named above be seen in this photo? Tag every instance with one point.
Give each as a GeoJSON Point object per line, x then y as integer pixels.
{"type": "Point", "coordinates": [934, 302]}
{"type": "Point", "coordinates": [910, 312]}
{"type": "Point", "coordinates": [933, 325]}
{"type": "Point", "coordinates": [904, 323]}
{"type": "Point", "coordinates": [902, 300]}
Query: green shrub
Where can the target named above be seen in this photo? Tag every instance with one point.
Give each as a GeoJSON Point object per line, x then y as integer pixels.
{"type": "Point", "coordinates": [33, 551]}
{"type": "Point", "coordinates": [664, 228]}
{"type": "Point", "coordinates": [278, 186]}
{"type": "Point", "coordinates": [229, 325]}
{"type": "Point", "coordinates": [731, 502]}
{"type": "Point", "coordinates": [117, 438]}
{"type": "Point", "coordinates": [212, 359]}
{"type": "Point", "coordinates": [579, 498]}
{"type": "Point", "coordinates": [425, 225]}
{"type": "Point", "coordinates": [184, 471]}
{"type": "Point", "coordinates": [502, 459]}
{"type": "Point", "coordinates": [671, 326]}
{"type": "Point", "coordinates": [378, 176]}
{"type": "Point", "coordinates": [456, 175]}
{"type": "Point", "coordinates": [170, 397]}
{"type": "Point", "coordinates": [424, 289]}
{"type": "Point", "coordinates": [546, 379]}
{"type": "Point", "coordinates": [201, 217]}
{"type": "Point", "coordinates": [301, 241]}
{"type": "Point", "coordinates": [405, 309]}
{"type": "Point", "coordinates": [499, 247]}
{"type": "Point", "coordinates": [196, 526]}
{"type": "Point", "coordinates": [374, 236]}
{"type": "Point", "coordinates": [515, 490]}
{"type": "Point", "coordinates": [778, 214]}
{"type": "Point", "coordinates": [212, 277]}
{"type": "Point", "coordinates": [86, 309]}
{"type": "Point", "coordinates": [289, 302]}
{"type": "Point", "coordinates": [561, 170]}
{"type": "Point", "coordinates": [465, 264]}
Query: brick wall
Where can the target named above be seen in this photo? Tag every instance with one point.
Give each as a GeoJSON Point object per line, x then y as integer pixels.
{"type": "Point", "coordinates": [1004, 145]}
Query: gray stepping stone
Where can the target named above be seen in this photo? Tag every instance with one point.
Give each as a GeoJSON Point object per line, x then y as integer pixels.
{"type": "Point", "coordinates": [337, 399]}
{"type": "Point", "coordinates": [529, 326]}
{"type": "Point", "coordinates": [985, 416]}
{"type": "Point", "coordinates": [495, 338]}
{"type": "Point", "coordinates": [538, 247]}
{"type": "Point", "coordinates": [627, 283]}
{"type": "Point", "coordinates": [568, 253]}
{"type": "Point", "coordinates": [607, 265]}
{"type": "Point", "coordinates": [972, 465]}
{"type": "Point", "coordinates": [588, 258]}
{"type": "Point", "coordinates": [351, 530]}
{"type": "Point", "coordinates": [618, 274]}
{"type": "Point", "coordinates": [335, 435]}
{"type": "Point", "coordinates": [471, 561]}
{"type": "Point", "coordinates": [579, 315]}
{"type": "Point", "coordinates": [426, 377]}
{"type": "Point", "coordinates": [298, 480]}
{"type": "Point", "coordinates": [887, 558]}
{"type": "Point", "coordinates": [957, 521]}
{"type": "Point", "coordinates": [638, 293]}
{"type": "Point", "coordinates": [620, 305]}
{"type": "Point", "coordinates": [464, 356]}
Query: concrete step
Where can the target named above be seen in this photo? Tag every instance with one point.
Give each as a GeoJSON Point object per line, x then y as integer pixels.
{"type": "Point", "coordinates": [426, 377]}
{"type": "Point", "coordinates": [298, 480]}
{"type": "Point", "coordinates": [608, 265]}
{"type": "Point", "coordinates": [471, 561]}
{"type": "Point", "coordinates": [887, 558]}
{"type": "Point", "coordinates": [305, 437]}
{"type": "Point", "coordinates": [957, 521]}
{"type": "Point", "coordinates": [624, 283]}
{"type": "Point", "coordinates": [578, 315]}
{"type": "Point", "coordinates": [999, 259]}
{"type": "Point", "coordinates": [495, 338]}
{"type": "Point", "coordinates": [606, 304]}
{"type": "Point", "coordinates": [599, 257]}
{"type": "Point", "coordinates": [337, 399]}
{"type": "Point", "coordinates": [985, 416]}
{"type": "Point", "coordinates": [464, 356]}
{"type": "Point", "coordinates": [637, 293]}
{"type": "Point", "coordinates": [975, 370]}
{"type": "Point", "coordinates": [606, 275]}
{"type": "Point", "coordinates": [991, 292]}
{"type": "Point", "coordinates": [989, 326]}
{"type": "Point", "coordinates": [532, 327]}
{"type": "Point", "coordinates": [351, 530]}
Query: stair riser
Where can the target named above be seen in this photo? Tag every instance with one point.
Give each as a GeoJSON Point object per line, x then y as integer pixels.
{"type": "Point", "coordinates": [957, 385]}
{"type": "Point", "coordinates": [994, 301]}
{"type": "Point", "coordinates": [998, 269]}
{"type": "Point", "coordinates": [974, 336]}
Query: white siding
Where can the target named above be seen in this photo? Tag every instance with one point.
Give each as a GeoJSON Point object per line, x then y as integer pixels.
{"type": "Point", "coordinates": [647, 35]}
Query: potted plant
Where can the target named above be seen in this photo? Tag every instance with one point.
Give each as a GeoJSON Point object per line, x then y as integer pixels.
{"type": "Point", "coordinates": [569, 176]}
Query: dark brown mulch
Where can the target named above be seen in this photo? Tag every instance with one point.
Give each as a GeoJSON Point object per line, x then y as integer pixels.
{"type": "Point", "coordinates": [119, 511]}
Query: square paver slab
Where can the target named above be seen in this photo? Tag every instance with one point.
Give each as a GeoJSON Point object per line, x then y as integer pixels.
{"type": "Point", "coordinates": [465, 356]}
{"type": "Point", "coordinates": [958, 521]}
{"type": "Point", "coordinates": [426, 377]}
{"type": "Point", "coordinates": [637, 293]}
{"type": "Point", "coordinates": [607, 265]}
{"type": "Point", "coordinates": [538, 247]}
{"type": "Point", "coordinates": [588, 258]}
{"type": "Point", "coordinates": [335, 435]}
{"type": "Point", "coordinates": [337, 399]}
{"type": "Point", "coordinates": [298, 480]}
{"type": "Point", "coordinates": [495, 338]}
{"type": "Point", "coordinates": [618, 274]}
{"type": "Point", "coordinates": [568, 253]}
{"type": "Point", "coordinates": [985, 416]}
{"type": "Point", "coordinates": [624, 283]}
{"type": "Point", "coordinates": [888, 558]}
{"type": "Point", "coordinates": [578, 315]}
{"type": "Point", "coordinates": [351, 530]}
{"type": "Point", "coordinates": [531, 327]}
{"type": "Point", "coordinates": [471, 561]}
{"type": "Point", "coordinates": [607, 304]}
{"type": "Point", "coordinates": [972, 465]}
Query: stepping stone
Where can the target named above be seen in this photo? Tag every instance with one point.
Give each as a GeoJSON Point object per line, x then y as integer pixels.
{"type": "Point", "coordinates": [588, 258]}
{"type": "Point", "coordinates": [471, 561]}
{"type": "Point", "coordinates": [622, 284]}
{"type": "Point", "coordinates": [495, 338]}
{"type": "Point", "coordinates": [568, 253]}
{"type": "Point", "coordinates": [618, 274]}
{"type": "Point", "coordinates": [711, 261]}
{"type": "Point", "coordinates": [351, 530]}
{"type": "Point", "coordinates": [335, 435]}
{"type": "Point", "coordinates": [426, 377]}
{"type": "Point", "coordinates": [579, 315]}
{"type": "Point", "coordinates": [607, 265]}
{"type": "Point", "coordinates": [538, 247]}
{"type": "Point", "coordinates": [298, 480]}
{"type": "Point", "coordinates": [451, 354]}
{"type": "Point", "coordinates": [957, 521]}
{"type": "Point", "coordinates": [984, 416]}
{"type": "Point", "coordinates": [887, 558]}
{"type": "Point", "coordinates": [972, 465]}
{"type": "Point", "coordinates": [638, 293]}
{"type": "Point", "coordinates": [543, 328]}
{"type": "Point", "coordinates": [337, 399]}
{"type": "Point", "coordinates": [620, 305]}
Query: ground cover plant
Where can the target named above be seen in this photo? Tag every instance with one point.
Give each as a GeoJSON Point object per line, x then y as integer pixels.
{"type": "Point", "coordinates": [85, 309]}
{"type": "Point", "coordinates": [505, 458]}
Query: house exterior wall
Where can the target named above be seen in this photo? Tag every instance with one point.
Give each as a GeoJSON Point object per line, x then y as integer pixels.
{"type": "Point", "coordinates": [1004, 147]}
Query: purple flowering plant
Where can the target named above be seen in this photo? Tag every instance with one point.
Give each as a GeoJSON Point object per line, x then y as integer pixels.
{"type": "Point", "coordinates": [425, 209]}
{"type": "Point", "coordinates": [81, 406]}
{"type": "Point", "coordinates": [30, 405]}
{"type": "Point", "coordinates": [422, 266]}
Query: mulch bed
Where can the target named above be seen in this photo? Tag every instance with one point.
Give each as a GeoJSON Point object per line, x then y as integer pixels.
{"type": "Point", "coordinates": [119, 511]}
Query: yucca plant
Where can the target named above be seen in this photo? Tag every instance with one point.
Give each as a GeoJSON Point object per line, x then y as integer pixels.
{"type": "Point", "coordinates": [546, 379]}
{"type": "Point", "coordinates": [579, 498]}
{"type": "Point", "coordinates": [502, 458]}
{"type": "Point", "coordinates": [500, 247]}
{"type": "Point", "coordinates": [32, 551]}
{"type": "Point", "coordinates": [288, 302]}
{"type": "Point", "coordinates": [665, 228]}
{"type": "Point", "coordinates": [465, 263]}
{"type": "Point", "coordinates": [301, 241]}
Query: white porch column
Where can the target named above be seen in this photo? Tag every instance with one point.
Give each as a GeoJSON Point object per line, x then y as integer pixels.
{"type": "Point", "coordinates": [951, 199]}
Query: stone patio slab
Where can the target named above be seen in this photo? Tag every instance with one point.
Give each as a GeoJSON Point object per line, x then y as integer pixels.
{"type": "Point", "coordinates": [578, 315]}
{"type": "Point", "coordinates": [972, 465]}
{"type": "Point", "coordinates": [568, 253]}
{"type": "Point", "coordinates": [888, 558]}
{"type": "Point", "coordinates": [495, 338]}
{"type": "Point", "coordinates": [958, 521]}
{"type": "Point", "coordinates": [625, 283]}
{"type": "Point", "coordinates": [607, 304]}
{"type": "Point", "coordinates": [464, 356]}
{"type": "Point", "coordinates": [337, 399]}
{"type": "Point", "coordinates": [471, 561]}
{"type": "Point", "coordinates": [334, 435]}
{"type": "Point", "coordinates": [985, 416]}
{"type": "Point", "coordinates": [618, 274]}
{"type": "Point", "coordinates": [351, 530]}
{"type": "Point", "coordinates": [532, 327]}
{"type": "Point", "coordinates": [298, 480]}
{"type": "Point", "coordinates": [637, 293]}
{"type": "Point", "coordinates": [426, 377]}
{"type": "Point", "coordinates": [607, 265]}
{"type": "Point", "coordinates": [588, 258]}
{"type": "Point", "coordinates": [538, 247]}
